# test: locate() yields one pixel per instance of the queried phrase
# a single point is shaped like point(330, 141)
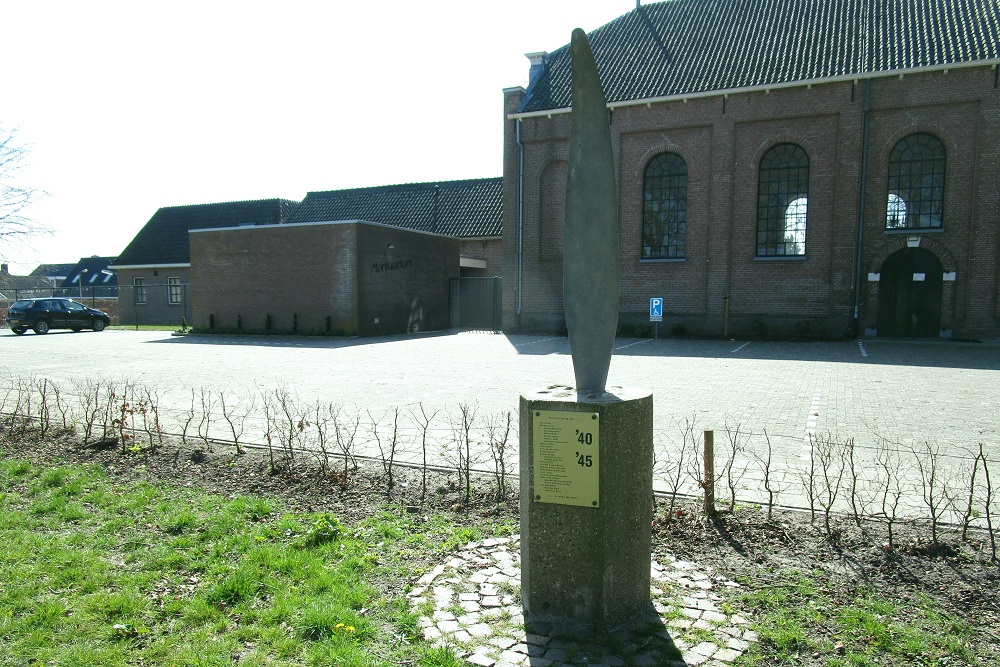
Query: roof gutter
point(520, 218)
point(847, 78)
point(149, 266)
point(865, 132)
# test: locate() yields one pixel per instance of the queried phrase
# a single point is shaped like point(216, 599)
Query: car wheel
point(19, 330)
point(98, 325)
point(41, 327)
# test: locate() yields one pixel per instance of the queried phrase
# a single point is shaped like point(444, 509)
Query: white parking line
point(810, 435)
point(742, 346)
point(638, 342)
point(536, 342)
point(861, 346)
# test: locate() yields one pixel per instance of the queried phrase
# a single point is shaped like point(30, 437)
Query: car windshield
point(23, 303)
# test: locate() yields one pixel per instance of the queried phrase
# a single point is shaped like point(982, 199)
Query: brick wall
point(722, 140)
point(489, 250)
point(403, 280)
point(158, 308)
point(330, 278)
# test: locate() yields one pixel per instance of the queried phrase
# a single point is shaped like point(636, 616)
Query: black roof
point(95, 273)
point(52, 270)
point(164, 239)
point(684, 47)
point(470, 208)
point(11, 285)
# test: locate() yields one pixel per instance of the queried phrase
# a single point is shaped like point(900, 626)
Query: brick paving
point(471, 603)
point(906, 393)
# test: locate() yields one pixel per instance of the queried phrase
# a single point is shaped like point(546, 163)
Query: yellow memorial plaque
point(566, 459)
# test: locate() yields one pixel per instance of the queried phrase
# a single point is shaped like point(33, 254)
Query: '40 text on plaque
point(566, 457)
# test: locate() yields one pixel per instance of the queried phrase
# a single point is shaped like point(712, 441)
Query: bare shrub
point(63, 408)
point(345, 431)
point(22, 412)
point(461, 456)
point(424, 423)
point(89, 395)
point(832, 463)
point(736, 440)
point(498, 436)
point(674, 470)
point(858, 500)
point(270, 429)
point(188, 418)
point(809, 479)
point(236, 412)
point(968, 473)
point(933, 488)
point(322, 418)
point(150, 413)
point(889, 464)
point(290, 424)
point(387, 447)
point(124, 409)
point(44, 416)
point(207, 400)
point(772, 486)
point(988, 502)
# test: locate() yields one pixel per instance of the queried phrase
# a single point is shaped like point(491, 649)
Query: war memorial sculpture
point(586, 454)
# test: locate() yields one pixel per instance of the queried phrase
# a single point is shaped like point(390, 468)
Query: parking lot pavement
point(906, 393)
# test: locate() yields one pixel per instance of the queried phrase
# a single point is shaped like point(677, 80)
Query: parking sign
point(656, 309)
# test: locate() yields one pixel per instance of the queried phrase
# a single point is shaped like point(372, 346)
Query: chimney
point(537, 60)
point(4, 270)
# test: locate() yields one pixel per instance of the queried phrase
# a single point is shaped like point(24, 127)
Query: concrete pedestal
point(581, 563)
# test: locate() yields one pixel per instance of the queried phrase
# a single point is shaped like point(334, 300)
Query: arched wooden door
point(909, 294)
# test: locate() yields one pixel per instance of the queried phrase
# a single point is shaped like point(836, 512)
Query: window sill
point(663, 260)
point(780, 258)
point(910, 231)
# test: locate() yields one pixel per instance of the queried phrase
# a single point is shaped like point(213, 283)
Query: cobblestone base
point(472, 603)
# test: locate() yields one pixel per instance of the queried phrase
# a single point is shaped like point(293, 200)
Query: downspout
point(520, 219)
point(861, 205)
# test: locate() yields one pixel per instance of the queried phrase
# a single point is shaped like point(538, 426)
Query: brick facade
point(342, 278)
point(721, 285)
point(166, 298)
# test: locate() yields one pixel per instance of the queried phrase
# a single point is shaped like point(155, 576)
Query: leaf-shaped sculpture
point(591, 261)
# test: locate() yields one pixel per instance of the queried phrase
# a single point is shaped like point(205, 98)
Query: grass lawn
point(97, 572)
point(139, 561)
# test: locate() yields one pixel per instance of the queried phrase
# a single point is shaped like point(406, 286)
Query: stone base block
point(585, 564)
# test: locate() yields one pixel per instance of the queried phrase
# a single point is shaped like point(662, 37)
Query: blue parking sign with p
point(656, 309)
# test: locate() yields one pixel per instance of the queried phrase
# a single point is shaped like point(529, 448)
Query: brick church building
point(791, 167)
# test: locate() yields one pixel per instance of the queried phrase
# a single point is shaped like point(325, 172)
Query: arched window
point(664, 207)
point(782, 202)
point(895, 212)
point(916, 183)
point(795, 227)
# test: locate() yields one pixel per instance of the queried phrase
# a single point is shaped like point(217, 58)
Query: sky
point(130, 106)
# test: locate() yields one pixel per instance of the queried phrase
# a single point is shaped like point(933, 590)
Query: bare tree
point(16, 226)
